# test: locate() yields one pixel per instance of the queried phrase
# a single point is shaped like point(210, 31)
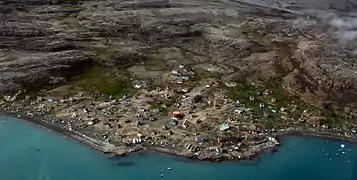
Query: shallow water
point(28, 152)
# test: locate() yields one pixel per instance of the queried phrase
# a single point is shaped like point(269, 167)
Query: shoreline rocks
point(251, 72)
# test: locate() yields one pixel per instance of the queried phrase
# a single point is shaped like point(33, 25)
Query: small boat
point(342, 145)
point(169, 168)
point(162, 175)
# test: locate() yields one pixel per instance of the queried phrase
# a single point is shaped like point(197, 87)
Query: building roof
point(223, 127)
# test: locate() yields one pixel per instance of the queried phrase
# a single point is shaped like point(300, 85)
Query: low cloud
point(344, 23)
point(346, 36)
point(345, 27)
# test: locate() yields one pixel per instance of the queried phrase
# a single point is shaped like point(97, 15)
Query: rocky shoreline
point(37, 120)
point(110, 149)
point(210, 80)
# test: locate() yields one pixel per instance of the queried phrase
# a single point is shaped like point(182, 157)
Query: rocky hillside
point(46, 42)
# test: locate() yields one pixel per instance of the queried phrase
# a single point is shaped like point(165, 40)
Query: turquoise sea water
point(28, 152)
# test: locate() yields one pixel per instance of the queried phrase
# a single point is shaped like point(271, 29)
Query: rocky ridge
point(54, 35)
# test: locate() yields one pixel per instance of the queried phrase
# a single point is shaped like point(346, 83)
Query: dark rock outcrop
point(34, 70)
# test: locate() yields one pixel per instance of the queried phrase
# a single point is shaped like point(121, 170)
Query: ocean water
point(29, 152)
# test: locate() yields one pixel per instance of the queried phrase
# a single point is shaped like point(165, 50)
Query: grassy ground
point(156, 63)
point(110, 82)
point(266, 115)
point(103, 55)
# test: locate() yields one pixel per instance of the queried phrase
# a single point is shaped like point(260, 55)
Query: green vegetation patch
point(242, 92)
point(277, 98)
point(158, 104)
point(110, 82)
point(156, 84)
point(104, 54)
point(332, 118)
point(282, 97)
point(201, 73)
point(156, 63)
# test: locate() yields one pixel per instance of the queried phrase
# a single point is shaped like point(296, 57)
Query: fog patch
point(346, 37)
point(344, 28)
point(303, 23)
point(344, 23)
